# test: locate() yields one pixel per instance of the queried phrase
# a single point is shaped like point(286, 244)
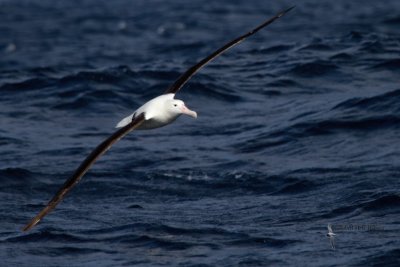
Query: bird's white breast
point(155, 111)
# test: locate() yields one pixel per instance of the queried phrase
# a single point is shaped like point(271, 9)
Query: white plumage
point(158, 112)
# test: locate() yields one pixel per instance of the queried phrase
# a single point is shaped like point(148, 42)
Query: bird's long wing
point(84, 167)
point(192, 70)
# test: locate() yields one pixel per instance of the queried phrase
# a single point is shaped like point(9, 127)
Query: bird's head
point(178, 107)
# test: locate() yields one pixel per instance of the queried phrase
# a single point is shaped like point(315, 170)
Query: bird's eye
point(175, 105)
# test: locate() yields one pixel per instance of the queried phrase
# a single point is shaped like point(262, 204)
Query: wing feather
point(177, 85)
point(83, 168)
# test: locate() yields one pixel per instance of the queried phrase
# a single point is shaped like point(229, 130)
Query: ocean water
point(298, 128)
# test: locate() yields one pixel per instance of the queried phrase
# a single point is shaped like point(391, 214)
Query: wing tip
point(286, 11)
point(31, 224)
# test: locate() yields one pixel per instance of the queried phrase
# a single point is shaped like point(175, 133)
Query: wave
point(183, 185)
point(315, 68)
point(156, 235)
point(270, 50)
point(389, 257)
point(214, 91)
point(392, 21)
point(283, 83)
point(265, 241)
point(46, 236)
point(28, 85)
point(381, 203)
point(297, 186)
point(15, 175)
point(389, 201)
point(389, 65)
point(244, 183)
point(88, 90)
point(342, 56)
point(315, 128)
point(386, 102)
point(317, 47)
point(4, 141)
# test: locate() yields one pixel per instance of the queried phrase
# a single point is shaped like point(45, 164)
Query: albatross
point(157, 112)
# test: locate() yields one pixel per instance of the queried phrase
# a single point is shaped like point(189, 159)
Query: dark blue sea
point(298, 128)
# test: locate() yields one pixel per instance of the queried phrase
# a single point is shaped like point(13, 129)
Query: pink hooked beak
point(189, 112)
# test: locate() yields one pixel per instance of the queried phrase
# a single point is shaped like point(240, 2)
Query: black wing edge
point(192, 70)
point(83, 168)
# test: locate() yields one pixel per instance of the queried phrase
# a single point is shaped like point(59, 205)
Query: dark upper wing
point(192, 70)
point(84, 167)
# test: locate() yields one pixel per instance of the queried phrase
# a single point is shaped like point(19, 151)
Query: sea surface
point(298, 128)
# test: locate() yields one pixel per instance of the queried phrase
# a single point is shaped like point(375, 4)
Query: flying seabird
point(157, 112)
point(331, 236)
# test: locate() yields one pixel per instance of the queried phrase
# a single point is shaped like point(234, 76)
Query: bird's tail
point(124, 121)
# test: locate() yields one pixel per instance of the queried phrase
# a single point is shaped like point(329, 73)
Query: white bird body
point(158, 112)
